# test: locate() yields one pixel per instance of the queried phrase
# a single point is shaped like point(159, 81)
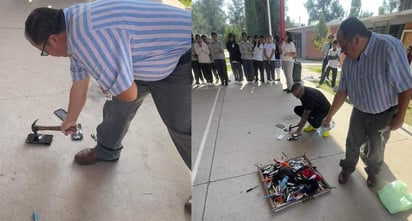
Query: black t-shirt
point(314, 101)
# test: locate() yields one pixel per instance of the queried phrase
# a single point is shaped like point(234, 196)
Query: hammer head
point(34, 128)
point(291, 126)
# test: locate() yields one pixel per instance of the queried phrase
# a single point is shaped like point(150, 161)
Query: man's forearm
point(303, 120)
point(338, 101)
point(78, 96)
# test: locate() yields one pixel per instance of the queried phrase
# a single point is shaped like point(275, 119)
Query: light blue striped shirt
point(119, 41)
point(374, 81)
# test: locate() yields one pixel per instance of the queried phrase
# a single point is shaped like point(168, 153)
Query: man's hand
point(403, 103)
point(68, 127)
point(326, 122)
point(396, 122)
point(297, 131)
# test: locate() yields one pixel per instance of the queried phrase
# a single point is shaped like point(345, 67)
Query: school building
point(397, 24)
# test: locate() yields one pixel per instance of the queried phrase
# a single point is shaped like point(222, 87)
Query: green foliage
point(257, 17)
point(320, 33)
point(316, 69)
point(251, 17)
point(236, 14)
point(234, 30)
point(208, 16)
point(355, 8)
point(365, 14)
point(186, 3)
point(330, 9)
point(388, 6)
point(405, 5)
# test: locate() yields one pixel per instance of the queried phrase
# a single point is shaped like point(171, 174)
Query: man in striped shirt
point(377, 79)
point(131, 48)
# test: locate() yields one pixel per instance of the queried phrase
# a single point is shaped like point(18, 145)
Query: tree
point(257, 17)
point(320, 33)
point(388, 6)
point(274, 16)
point(355, 8)
point(330, 9)
point(208, 16)
point(289, 23)
point(236, 14)
point(199, 25)
point(251, 17)
point(365, 14)
point(405, 5)
point(234, 30)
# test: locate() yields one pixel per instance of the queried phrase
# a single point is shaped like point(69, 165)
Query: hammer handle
point(48, 127)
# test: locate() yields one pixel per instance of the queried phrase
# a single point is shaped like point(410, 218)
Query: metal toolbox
point(289, 182)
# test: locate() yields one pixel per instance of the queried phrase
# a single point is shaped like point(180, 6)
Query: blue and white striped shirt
point(119, 41)
point(374, 81)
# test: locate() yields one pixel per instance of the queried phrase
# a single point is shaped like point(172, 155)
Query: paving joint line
point(213, 154)
point(250, 173)
point(224, 179)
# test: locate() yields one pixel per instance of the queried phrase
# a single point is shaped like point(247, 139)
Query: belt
point(393, 108)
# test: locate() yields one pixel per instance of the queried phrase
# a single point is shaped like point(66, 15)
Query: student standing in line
point(245, 48)
point(202, 51)
point(195, 65)
point(288, 53)
point(218, 56)
point(212, 63)
point(235, 58)
point(269, 55)
point(258, 59)
point(278, 62)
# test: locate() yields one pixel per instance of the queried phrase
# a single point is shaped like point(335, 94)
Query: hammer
point(36, 128)
point(290, 128)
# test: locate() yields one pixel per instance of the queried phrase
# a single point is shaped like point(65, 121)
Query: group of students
point(207, 57)
point(250, 59)
point(259, 54)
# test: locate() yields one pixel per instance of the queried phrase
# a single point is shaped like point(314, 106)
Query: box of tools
point(291, 181)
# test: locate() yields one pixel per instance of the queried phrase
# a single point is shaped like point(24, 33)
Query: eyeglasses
point(343, 48)
point(43, 51)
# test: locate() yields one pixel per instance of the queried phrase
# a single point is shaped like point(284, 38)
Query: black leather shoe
point(188, 205)
point(343, 177)
point(371, 181)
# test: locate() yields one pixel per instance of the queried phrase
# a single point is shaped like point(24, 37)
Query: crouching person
point(315, 107)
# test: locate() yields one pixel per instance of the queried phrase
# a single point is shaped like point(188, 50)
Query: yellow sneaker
point(309, 128)
point(326, 134)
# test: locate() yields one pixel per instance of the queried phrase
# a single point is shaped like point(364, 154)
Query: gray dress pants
point(172, 97)
point(363, 128)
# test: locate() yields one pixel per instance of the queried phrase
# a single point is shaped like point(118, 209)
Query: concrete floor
point(234, 129)
point(149, 182)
